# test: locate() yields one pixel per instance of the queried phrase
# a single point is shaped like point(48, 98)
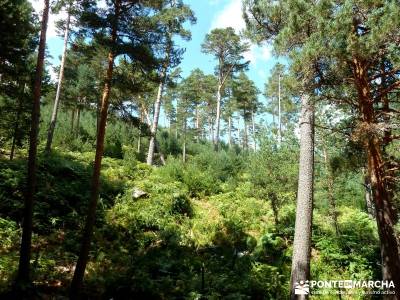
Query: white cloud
point(231, 16)
point(256, 53)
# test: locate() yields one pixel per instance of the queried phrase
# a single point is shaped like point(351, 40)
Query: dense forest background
point(127, 180)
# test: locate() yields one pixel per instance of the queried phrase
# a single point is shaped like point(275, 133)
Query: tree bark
point(304, 210)
point(157, 108)
point(23, 276)
point(53, 120)
point(386, 215)
point(150, 153)
point(156, 145)
point(79, 273)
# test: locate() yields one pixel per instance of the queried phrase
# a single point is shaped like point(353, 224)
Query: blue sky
point(210, 14)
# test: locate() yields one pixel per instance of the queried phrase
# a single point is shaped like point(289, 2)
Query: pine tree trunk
point(23, 276)
point(304, 210)
point(79, 273)
point(386, 215)
point(53, 120)
point(157, 107)
point(217, 118)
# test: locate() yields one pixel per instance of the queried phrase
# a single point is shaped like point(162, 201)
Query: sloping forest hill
point(125, 179)
point(219, 225)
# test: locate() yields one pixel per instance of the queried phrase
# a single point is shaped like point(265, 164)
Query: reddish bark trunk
point(79, 273)
point(23, 276)
point(386, 215)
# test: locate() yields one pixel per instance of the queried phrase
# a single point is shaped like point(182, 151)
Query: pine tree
point(228, 49)
point(53, 120)
point(281, 104)
point(17, 67)
point(171, 19)
point(130, 31)
point(245, 94)
point(23, 276)
point(350, 49)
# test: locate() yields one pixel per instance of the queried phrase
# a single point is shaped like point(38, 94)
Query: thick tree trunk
point(23, 276)
point(53, 120)
point(217, 118)
point(79, 273)
point(387, 137)
point(304, 209)
point(386, 215)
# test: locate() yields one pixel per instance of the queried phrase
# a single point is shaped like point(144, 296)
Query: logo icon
point(301, 287)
